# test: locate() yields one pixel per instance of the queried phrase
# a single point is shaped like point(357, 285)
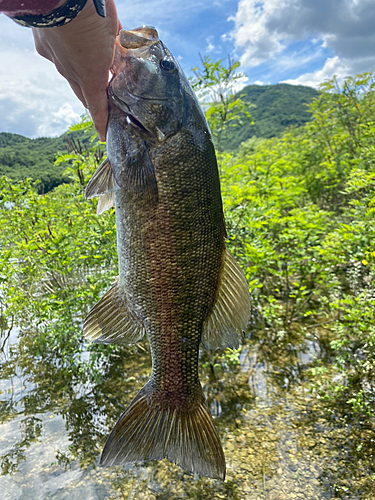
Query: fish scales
point(176, 277)
point(178, 255)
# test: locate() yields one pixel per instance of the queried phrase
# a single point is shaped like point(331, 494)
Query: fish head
point(147, 84)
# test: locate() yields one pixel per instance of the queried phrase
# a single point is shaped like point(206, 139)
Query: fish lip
point(131, 119)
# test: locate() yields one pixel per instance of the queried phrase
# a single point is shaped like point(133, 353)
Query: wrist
point(65, 12)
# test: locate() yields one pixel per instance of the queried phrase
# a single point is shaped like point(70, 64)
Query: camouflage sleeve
point(47, 13)
point(34, 7)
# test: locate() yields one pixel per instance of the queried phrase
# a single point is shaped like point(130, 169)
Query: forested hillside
point(21, 158)
point(276, 107)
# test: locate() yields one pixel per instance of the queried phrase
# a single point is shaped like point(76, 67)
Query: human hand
point(82, 52)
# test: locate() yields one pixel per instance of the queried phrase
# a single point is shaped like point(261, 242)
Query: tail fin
point(145, 431)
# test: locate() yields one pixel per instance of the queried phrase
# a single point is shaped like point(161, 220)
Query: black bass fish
point(177, 281)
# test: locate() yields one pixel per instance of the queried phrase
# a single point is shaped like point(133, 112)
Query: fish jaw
point(133, 42)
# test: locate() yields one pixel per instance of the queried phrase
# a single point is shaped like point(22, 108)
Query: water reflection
point(280, 440)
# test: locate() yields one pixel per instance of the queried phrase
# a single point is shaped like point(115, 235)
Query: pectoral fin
point(103, 184)
point(106, 201)
point(138, 175)
point(103, 181)
point(231, 311)
point(111, 322)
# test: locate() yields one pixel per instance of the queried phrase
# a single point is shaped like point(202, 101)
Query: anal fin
point(111, 322)
point(231, 311)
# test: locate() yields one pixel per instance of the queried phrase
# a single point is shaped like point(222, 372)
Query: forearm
point(36, 7)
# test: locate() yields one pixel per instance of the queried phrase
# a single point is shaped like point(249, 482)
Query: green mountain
point(21, 157)
point(276, 107)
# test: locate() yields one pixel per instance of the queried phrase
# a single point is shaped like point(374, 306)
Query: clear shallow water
point(279, 440)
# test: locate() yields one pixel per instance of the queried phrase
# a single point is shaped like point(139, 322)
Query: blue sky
point(294, 41)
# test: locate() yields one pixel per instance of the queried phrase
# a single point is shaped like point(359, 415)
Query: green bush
point(300, 219)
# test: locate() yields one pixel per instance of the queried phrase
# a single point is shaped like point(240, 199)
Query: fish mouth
point(134, 44)
point(144, 36)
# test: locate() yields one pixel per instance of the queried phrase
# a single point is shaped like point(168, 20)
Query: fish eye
point(167, 64)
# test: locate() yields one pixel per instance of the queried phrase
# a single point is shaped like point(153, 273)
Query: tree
point(214, 84)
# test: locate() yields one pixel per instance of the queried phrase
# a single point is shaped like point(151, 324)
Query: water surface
point(280, 440)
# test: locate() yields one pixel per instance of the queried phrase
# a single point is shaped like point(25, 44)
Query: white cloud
point(60, 120)
point(210, 46)
point(292, 60)
point(240, 83)
point(34, 99)
point(333, 66)
point(251, 31)
point(265, 29)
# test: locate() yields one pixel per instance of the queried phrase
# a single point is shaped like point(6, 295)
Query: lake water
point(279, 440)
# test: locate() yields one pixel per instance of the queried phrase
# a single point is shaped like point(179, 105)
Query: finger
point(78, 91)
point(112, 13)
point(97, 105)
point(98, 108)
